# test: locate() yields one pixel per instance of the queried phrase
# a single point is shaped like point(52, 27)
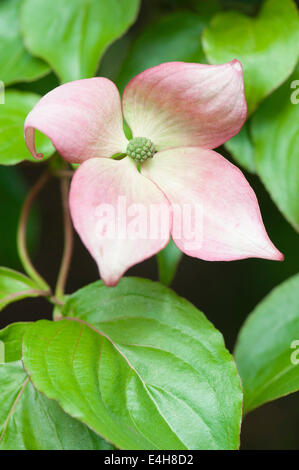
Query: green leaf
point(28, 419)
point(12, 116)
point(72, 35)
point(168, 260)
point(11, 338)
point(267, 46)
point(141, 366)
point(176, 37)
point(16, 64)
point(265, 347)
point(2, 352)
point(242, 149)
point(15, 286)
point(275, 132)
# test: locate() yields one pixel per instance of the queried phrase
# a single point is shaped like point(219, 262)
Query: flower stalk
point(68, 240)
point(22, 231)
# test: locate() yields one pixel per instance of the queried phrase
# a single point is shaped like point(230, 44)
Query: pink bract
point(185, 110)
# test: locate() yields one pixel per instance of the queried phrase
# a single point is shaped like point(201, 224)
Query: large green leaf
point(28, 419)
point(16, 64)
point(168, 260)
point(267, 46)
point(264, 350)
point(275, 133)
point(15, 286)
point(2, 352)
point(12, 116)
point(141, 366)
point(11, 338)
point(174, 37)
point(72, 35)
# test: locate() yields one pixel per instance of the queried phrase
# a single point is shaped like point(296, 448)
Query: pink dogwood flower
point(177, 112)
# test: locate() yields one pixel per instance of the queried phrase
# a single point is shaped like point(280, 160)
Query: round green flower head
point(140, 149)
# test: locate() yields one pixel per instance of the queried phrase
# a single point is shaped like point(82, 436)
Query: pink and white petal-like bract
point(121, 216)
point(179, 104)
point(216, 216)
point(83, 119)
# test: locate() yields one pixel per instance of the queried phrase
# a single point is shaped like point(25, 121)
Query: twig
point(64, 173)
point(68, 241)
point(29, 293)
point(22, 229)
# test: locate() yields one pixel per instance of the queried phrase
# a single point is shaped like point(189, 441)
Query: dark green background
point(225, 292)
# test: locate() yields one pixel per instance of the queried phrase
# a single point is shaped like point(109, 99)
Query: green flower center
point(140, 149)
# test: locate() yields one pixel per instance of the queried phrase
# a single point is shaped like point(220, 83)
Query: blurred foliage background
point(166, 30)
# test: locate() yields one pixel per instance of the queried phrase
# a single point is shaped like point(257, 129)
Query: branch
point(68, 240)
point(22, 229)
